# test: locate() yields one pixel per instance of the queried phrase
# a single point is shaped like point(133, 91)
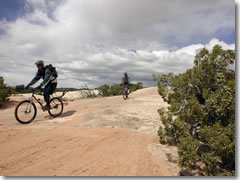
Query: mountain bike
point(26, 110)
point(125, 92)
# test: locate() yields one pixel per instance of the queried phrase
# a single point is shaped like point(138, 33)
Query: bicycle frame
point(28, 109)
point(125, 89)
point(34, 97)
point(31, 101)
point(29, 106)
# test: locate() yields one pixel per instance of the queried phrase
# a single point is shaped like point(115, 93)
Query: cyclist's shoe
point(46, 107)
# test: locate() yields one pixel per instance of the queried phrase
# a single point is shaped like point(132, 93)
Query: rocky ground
point(93, 137)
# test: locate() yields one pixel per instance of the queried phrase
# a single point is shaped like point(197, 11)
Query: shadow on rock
point(64, 114)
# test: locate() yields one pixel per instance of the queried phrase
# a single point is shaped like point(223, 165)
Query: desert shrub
point(135, 87)
point(105, 90)
point(20, 88)
point(117, 89)
point(5, 91)
point(163, 85)
point(201, 118)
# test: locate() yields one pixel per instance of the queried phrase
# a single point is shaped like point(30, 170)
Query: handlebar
point(63, 93)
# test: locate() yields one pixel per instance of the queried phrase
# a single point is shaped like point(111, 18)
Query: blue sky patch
point(10, 10)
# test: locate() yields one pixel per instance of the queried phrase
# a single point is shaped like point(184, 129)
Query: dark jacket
point(46, 75)
point(125, 80)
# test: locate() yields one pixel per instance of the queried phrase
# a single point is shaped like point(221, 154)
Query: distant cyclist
point(49, 75)
point(126, 81)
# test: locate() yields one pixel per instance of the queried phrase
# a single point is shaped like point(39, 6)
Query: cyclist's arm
point(47, 78)
point(35, 79)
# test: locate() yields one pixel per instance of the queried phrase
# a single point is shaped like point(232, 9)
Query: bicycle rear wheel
point(25, 112)
point(56, 107)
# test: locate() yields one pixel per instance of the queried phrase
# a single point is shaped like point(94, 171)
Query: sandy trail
point(93, 137)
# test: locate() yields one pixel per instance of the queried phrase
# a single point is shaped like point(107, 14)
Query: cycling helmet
point(39, 62)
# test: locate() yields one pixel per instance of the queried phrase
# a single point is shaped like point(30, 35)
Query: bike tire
point(16, 112)
point(61, 103)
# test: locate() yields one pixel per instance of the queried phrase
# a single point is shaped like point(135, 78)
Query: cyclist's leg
point(53, 88)
point(128, 87)
point(47, 94)
point(49, 89)
point(124, 87)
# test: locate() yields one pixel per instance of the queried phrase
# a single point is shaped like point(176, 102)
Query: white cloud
point(224, 45)
point(190, 50)
point(94, 41)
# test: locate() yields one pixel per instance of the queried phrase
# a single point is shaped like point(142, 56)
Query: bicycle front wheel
point(56, 107)
point(124, 96)
point(25, 112)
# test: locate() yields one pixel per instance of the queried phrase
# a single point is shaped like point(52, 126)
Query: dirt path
point(93, 137)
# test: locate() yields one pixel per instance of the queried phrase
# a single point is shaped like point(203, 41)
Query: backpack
point(53, 70)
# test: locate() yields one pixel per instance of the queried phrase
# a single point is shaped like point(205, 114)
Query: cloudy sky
point(96, 41)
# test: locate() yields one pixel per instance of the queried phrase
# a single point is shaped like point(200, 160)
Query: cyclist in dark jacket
point(49, 83)
point(126, 80)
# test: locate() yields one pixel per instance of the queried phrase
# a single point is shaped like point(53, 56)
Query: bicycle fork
point(28, 109)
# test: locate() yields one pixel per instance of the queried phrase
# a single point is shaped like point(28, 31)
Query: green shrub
point(20, 88)
point(117, 89)
point(163, 85)
point(5, 91)
point(201, 118)
point(105, 90)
